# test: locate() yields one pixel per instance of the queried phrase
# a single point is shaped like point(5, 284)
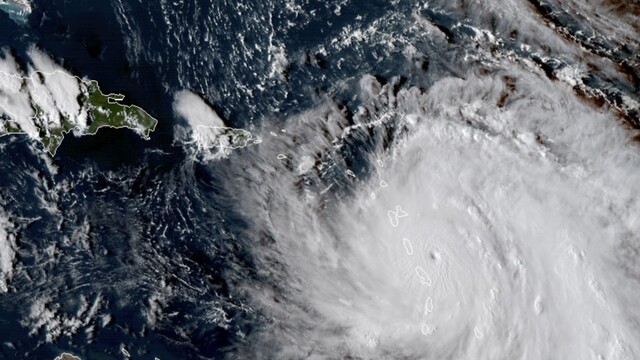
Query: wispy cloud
point(8, 250)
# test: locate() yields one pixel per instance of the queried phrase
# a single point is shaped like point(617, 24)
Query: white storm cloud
point(63, 88)
point(206, 132)
point(195, 110)
point(46, 85)
point(15, 102)
point(484, 232)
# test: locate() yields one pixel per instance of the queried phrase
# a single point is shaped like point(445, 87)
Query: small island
point(66, 356)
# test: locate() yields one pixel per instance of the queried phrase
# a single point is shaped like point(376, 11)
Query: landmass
point(18, 10)
point(221, 136)
point(207, 134)
point(216, 142)
point(50, 103)
point(65, 356)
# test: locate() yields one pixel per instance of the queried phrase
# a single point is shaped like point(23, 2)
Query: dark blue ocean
point(143, 210)
point(143, 236)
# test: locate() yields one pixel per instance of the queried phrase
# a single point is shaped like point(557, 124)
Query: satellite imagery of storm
point(320, 179)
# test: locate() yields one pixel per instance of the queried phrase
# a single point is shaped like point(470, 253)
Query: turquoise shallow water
point(16, 12)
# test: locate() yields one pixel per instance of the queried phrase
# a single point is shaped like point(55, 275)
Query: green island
point(97, 110)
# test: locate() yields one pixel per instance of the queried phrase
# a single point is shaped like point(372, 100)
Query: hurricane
point(480, 231)
point(301, 179)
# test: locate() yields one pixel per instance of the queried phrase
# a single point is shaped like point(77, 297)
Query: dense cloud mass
point(55, 94)
point(499, 223)
point(495, 217)
point(488, 232)
point(48, 102)
point(330, 180)
point(206, 135)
